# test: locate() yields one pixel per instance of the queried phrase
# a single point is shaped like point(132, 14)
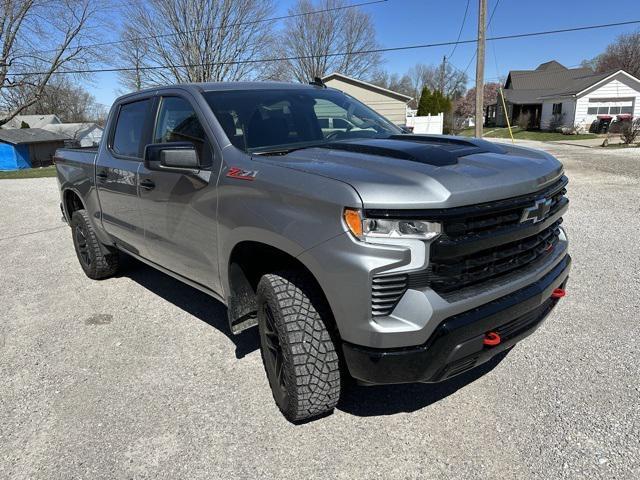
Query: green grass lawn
point(526, 134)
point(49, 171)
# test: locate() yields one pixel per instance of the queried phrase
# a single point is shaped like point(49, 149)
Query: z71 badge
point(241, 174)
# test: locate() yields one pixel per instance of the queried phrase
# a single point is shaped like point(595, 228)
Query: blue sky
point(407, 22)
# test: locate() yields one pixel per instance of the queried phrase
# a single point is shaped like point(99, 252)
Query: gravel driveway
point(138, 376)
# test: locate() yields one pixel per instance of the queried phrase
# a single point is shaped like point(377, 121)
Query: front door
point(117, 175)
point(179, 208)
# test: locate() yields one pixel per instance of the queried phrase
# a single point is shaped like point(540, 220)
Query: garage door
point(610, 106)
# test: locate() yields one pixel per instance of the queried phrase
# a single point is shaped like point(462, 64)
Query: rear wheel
point(298, 353)
point(95, 263)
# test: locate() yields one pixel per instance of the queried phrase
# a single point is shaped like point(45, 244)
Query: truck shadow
point(193, 301)
point(391, 399)
point(356, 400)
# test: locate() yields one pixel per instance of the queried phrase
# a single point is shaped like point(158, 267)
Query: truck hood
point(413, 171)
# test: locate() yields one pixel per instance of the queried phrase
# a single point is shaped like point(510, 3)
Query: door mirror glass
point(171, 157)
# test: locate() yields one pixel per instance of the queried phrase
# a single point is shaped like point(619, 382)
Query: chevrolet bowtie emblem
point(537, 212)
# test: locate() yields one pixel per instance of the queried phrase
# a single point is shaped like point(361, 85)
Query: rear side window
point(129, 128)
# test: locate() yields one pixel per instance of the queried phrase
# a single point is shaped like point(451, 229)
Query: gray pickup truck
point(360, 251)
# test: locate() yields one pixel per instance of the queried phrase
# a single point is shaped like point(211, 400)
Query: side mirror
point(178, 156)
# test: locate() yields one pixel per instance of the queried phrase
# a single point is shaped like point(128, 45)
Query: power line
point(339, 54)
point(251, 22)
point(464, 19)
point(493, 12)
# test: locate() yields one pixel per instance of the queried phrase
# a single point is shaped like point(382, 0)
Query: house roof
point(72, 130)
point(22, 136)
point(579, 84)
point(34, 121)
point(367, 85)
point(549, 80)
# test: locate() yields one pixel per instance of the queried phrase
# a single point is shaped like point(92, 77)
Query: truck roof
point(218, 86)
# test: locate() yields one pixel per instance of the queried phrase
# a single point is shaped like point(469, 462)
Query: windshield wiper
point(285, 151)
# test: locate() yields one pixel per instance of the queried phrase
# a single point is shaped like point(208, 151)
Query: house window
point(592, 111)
point(628, 110)
point(557, 108)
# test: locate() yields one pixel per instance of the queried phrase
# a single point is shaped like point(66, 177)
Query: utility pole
point(482, 25)
point(443, 73)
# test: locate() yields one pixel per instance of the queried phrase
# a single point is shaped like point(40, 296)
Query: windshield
point(263, 121)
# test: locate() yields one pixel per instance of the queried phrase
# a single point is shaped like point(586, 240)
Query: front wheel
point(298, 353)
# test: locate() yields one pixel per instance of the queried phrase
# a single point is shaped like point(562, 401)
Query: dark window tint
point(178, 122)
point(340, 123)
point(263, 120)
point(129, 128)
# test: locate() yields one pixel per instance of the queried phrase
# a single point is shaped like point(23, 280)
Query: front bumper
point(456, 345)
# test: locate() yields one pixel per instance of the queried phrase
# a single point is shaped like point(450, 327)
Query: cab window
point(129, 128)
point(177, 121)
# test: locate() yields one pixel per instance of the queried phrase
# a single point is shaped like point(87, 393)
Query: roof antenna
point(317, 81)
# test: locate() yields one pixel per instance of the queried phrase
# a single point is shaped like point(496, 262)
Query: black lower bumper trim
point(457, 343)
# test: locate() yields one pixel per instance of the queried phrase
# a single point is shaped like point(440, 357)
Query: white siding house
point(553, 95)
point(616, 94)
point(391, 105)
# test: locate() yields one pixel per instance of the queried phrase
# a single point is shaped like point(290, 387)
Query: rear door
point(117, 173)
point(179, 208)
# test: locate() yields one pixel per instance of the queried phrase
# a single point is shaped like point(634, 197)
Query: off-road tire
point(290, 315)
point(94, 262)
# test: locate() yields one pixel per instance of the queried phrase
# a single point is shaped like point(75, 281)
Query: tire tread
point(313, 371)
point(103, 265)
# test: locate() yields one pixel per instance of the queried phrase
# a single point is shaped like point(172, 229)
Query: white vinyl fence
point(428, 124)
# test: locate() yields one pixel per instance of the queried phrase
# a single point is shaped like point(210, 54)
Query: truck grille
point(449, 274)
point(484, 242)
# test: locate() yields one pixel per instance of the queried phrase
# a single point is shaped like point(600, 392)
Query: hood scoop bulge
point(438, 151)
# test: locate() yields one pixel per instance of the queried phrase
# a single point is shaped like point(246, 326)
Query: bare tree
point(310, 42)
point(132, 53)
point(37, 39)
point(194, 41)
point(451, 82)
point(396, 83)
point(69, 101)
point(623, 54)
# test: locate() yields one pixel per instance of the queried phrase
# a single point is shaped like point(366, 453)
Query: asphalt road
point(138, 376)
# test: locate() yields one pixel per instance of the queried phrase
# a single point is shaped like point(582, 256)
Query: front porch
point(531, 114)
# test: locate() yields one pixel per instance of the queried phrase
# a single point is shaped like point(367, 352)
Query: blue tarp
point(14, 157)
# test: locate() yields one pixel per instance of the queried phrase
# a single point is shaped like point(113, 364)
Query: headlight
point(364, 228)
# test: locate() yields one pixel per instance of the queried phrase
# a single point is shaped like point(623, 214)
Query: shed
point(28, 147)
point(389, 104)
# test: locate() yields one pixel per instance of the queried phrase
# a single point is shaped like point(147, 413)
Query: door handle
point(148, 184)
point(103, 175)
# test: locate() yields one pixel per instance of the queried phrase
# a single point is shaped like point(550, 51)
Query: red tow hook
point(491, 339)
point(558, 293)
